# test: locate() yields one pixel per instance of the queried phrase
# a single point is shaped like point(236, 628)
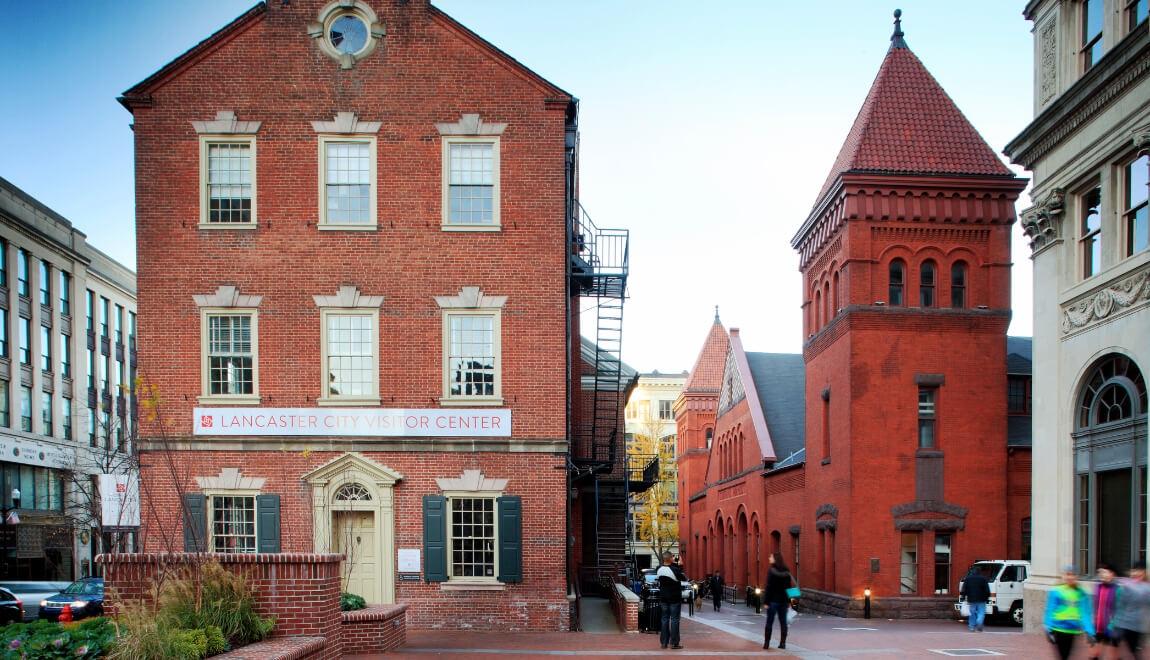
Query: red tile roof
point(707, 374)
point(908, 125)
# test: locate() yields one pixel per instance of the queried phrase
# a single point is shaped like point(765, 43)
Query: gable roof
point(1019, 356)
point(909, 125)
point(707, 374)
point(780, 381)
point(139, 93)
point(737, 362)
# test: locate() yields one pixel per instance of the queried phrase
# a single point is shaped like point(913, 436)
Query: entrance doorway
point(354, 537)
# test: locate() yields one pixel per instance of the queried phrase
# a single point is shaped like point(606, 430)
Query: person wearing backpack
point(778, 580)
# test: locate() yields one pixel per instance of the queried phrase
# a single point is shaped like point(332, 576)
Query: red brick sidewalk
point(698, 641)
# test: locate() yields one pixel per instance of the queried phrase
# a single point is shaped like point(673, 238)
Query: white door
point(355, 538)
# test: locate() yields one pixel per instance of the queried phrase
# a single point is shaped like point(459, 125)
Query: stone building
point(67, 391)
point(1089, 228)
point(361, 259)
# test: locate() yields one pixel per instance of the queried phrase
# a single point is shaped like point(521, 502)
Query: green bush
point(348, 602)
point(90, 638)
point(216, 641)
point(203, 611)
point(218, 598)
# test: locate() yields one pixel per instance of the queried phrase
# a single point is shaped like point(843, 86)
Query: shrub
point(348, 602)
point(217, 598)
point(45, 639)
point(202, 611)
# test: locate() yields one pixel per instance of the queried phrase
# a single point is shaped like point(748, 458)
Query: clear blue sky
point(707, 127)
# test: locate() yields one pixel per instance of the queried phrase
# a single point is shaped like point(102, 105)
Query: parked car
point(86, 597)
point(32, 593)
point(1006, 578)
point(11, 607)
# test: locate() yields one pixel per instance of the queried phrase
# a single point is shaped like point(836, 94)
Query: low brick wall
point(893, 607)
point(300, 590)
point(626, 606)
point(375, 629)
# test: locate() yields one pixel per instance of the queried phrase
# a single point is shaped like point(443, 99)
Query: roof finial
point(717, 314)
point(896, 39)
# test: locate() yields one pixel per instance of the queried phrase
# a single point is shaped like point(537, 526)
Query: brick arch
point(757, 550)
point(742, 545)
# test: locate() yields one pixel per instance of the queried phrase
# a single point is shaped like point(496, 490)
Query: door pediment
point(380, 475)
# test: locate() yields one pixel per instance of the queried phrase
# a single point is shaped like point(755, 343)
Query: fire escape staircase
point(599, 270)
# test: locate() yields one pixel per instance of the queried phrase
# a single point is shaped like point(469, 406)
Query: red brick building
point(906, 468)
point(360, 261)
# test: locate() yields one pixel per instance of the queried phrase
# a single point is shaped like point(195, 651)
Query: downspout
point(570, 152)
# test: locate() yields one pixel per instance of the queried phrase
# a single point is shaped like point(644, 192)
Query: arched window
point(926, 277)
point(836, 299)
point(710, 437)
point(1110, 465)
point(818, 310)
point(897, 279)
point(776, 543)
point(958, 285)
point(352, 493)
point(829, 312)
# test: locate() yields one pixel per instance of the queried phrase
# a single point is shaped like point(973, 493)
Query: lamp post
point(866, 603)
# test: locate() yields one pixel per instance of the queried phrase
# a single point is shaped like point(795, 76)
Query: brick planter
point(893, 607)
point(300, 590)
point(376, 629)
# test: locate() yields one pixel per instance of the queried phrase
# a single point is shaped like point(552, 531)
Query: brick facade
point(425, 71)
point(865, 486)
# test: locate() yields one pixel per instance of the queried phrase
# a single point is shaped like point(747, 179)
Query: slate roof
point(587, 350)
point(707, 374)
point(909, 125)
point(1018, 355)
point(780, 381)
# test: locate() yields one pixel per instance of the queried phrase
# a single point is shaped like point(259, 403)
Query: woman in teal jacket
point(1068, 614)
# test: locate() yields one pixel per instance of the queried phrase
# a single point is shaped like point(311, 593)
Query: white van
point(1006, 577)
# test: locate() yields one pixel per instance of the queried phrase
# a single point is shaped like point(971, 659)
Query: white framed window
point(346, 31)
point(230, 350)
point(227, 182)
point(232, 522)
point(471, 183)
point(472, 537)
point(347, 182)
point(1136, 203)
point(350, 344)
point(1090, 232)
point(471, 350)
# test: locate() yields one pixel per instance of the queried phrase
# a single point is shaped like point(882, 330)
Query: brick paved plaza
point(737, 632)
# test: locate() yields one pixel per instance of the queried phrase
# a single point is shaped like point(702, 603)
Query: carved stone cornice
point(1128, 292)
point(1142, 140)
point(1041, 222)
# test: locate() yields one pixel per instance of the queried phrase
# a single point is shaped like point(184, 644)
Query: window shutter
point(195, 522)
point(435, 538)
point(268, 523)
point(510, 511)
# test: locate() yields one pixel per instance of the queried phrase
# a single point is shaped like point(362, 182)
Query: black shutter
point(510, 539)
point(268, 523)
point(195, 522)
point(435, 538)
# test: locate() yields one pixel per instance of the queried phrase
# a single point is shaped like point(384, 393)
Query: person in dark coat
point(778, 580)
point(977, 592)
point(717, 590)
point(671, 599)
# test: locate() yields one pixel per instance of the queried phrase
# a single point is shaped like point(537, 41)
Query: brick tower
point(906, 273)
point(695, 423)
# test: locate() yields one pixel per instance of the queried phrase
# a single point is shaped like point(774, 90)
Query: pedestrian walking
point(1131, 620)
point(671, 599)
point(778, 580)
point(977, 592)
point(1068, 614)
point(1105, 601)
point(717, 590)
